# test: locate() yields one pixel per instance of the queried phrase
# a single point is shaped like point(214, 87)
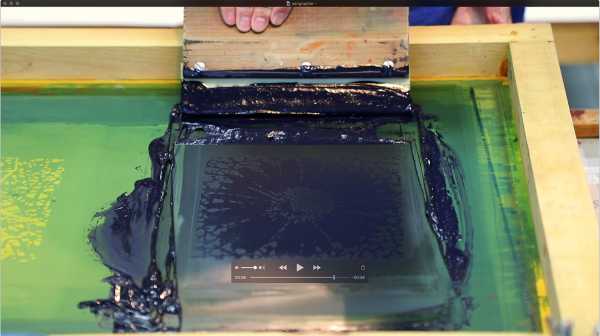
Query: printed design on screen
point(25, 204)
point(351, 213)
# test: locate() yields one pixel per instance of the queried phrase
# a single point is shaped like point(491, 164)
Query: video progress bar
point(300, 277)
point(359, 278)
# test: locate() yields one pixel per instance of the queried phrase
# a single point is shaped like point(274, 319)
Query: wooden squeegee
point(314, 41)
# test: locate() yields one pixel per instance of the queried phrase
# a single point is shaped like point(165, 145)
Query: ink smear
point(264, 172)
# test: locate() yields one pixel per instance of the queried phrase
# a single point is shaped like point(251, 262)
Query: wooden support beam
point(90, 53)
point(561, 206)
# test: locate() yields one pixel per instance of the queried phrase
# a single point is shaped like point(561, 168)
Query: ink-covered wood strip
point(565, 222)
point(326, 37)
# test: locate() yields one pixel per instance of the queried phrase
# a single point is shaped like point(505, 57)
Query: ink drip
point(135, 238)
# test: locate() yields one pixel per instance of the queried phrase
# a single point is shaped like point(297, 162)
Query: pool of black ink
point(137, 238)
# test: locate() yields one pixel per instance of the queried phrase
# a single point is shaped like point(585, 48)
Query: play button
point(299, 267)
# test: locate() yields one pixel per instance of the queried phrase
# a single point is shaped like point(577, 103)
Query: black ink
point(135, 238)
point(287, 98)
point(302, 72)
point(440, 165)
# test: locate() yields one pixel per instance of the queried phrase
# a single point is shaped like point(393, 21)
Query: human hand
point(255, 18)
point(481, 15)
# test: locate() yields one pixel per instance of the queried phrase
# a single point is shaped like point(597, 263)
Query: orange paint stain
point(312, 46)
point(504, 68)
point(349, 47)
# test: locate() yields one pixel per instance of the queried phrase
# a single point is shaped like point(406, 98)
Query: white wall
point(173, 16)
point(92, 16)
point(562, 14)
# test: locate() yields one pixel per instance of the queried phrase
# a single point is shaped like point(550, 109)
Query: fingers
point(498, 15)
point(468, 16)
point(260, 19)
point(254, 18)
point(279, 15)
point(228, 15)
point(243, 18)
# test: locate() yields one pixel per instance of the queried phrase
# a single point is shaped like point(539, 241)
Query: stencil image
point(323, 204)
point(317, 202)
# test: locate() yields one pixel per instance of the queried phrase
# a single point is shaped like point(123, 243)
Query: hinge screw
point(200, 66)
point(388, 64)
point(305, 66)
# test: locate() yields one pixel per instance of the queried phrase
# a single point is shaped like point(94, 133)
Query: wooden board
point(565, 222)
point(585, 122)
point(576, 43)
point(325, 37)
point(90, 53)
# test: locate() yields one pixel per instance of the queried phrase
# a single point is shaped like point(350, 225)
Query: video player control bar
point(298, 271)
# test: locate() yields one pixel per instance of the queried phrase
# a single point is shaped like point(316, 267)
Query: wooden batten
point(325, 37)
point(90, 53)
point(561, 206)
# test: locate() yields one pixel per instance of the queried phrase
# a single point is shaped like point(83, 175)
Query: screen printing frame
point(524, 55)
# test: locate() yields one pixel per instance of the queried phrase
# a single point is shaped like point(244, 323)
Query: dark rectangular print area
point(323, 203)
